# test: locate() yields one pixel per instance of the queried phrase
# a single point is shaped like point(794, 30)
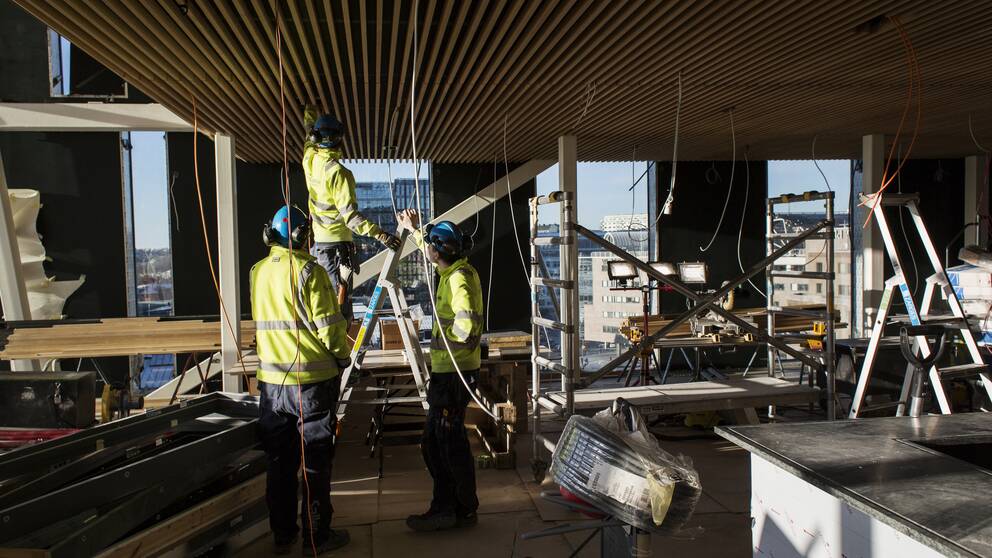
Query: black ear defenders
point(299, 236)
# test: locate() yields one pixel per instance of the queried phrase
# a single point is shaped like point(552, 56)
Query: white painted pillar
point(227, 251)
point(13, 294)
point(569, 258)
point(975, 203)
point(873, 251)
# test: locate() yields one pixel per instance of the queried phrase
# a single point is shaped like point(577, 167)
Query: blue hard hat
point(288, 223)
point(446, 238)
point(327, 131)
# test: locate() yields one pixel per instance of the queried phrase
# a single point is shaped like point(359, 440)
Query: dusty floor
point(374, 509)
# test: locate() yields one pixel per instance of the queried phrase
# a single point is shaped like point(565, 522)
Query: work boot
point(284, 545)
point(432, 521)
point(334, 540)
point(469, 519)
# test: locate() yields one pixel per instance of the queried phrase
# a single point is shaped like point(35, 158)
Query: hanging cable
point(740, 230)
point(294, 286)
point(509, 196)
point(492, 249)
point(730, 188)
point(825, 181)
point(667, 207)
point(902, 225)
point(420, 222)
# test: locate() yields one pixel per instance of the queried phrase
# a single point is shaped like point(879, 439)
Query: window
point(819, 266)
point(803, 287)
point(844, 289)
point(611, 329)
point(819, 288)
point(779, 286)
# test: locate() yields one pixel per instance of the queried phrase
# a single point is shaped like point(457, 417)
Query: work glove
point(389, 241)
point(343, 362)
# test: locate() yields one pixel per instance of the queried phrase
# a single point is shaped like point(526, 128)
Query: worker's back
point(459, 310)
point(296, 318)
point(328, 183)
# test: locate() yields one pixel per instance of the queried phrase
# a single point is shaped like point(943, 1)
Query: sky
point(150, 190)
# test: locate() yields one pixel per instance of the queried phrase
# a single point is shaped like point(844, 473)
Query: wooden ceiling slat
point(791, 70)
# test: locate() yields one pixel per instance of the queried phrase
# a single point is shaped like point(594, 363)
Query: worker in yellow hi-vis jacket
point(458, 328)
point(302, 344)
point(334, 205)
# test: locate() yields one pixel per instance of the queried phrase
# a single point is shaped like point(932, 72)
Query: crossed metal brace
point(702, 303)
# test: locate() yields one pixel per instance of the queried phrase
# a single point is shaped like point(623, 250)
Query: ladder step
point(389, 400)
point(387, 387)
point(895, 199)
point(552, 283)
point(790, 235)
point(787, 311)
point(551, 240)
point(949, 321)
point(550, 364)
point(826, 275)
point(544, 322)
point(962, 370)
point(553, 197)
point(811, 195)
point(550, 405)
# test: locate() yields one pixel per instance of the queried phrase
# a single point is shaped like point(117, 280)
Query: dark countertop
point(941, 501)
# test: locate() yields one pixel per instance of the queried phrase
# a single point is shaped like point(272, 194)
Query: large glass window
point(611, 201)
point(380, 186)
point(150, 254)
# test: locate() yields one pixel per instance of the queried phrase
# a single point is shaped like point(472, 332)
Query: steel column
point(569, 256)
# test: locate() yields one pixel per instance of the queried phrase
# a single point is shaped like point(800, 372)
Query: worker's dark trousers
point(279, 428)
point(445, 444)
point(331, 256)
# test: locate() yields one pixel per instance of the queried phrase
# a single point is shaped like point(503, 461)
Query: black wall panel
point(259, 196)
point(23, 55)
point(700, 193)
point(452, 183)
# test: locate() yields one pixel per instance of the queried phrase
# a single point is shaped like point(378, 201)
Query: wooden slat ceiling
point(604, 70)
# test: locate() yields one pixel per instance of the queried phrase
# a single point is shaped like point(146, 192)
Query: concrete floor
point(374, 509)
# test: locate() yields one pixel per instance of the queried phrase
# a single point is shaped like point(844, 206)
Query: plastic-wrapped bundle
point(612, 462)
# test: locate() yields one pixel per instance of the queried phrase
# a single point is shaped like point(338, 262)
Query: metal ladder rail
point(828, 276)
point(567, 285)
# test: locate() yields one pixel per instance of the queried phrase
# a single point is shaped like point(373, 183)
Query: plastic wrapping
point(613, 463)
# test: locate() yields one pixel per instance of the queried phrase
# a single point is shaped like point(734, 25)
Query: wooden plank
point(182, 527)
point(698, 396)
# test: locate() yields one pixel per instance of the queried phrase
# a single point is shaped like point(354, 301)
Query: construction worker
point(458, 327)
point(334, 205)
point(302, 343)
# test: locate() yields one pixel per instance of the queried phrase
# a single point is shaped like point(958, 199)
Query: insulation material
point(612, 463)
point(46, 296)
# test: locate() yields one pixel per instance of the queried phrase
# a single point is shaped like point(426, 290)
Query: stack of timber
point(633, 327)
point(113, 337)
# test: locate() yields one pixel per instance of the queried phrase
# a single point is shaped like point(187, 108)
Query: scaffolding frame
point(773, 240)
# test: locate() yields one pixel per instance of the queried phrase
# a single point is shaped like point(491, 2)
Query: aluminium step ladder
point(956, 320)
point(395, 389)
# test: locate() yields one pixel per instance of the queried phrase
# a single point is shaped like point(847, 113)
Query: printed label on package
point(623, 486)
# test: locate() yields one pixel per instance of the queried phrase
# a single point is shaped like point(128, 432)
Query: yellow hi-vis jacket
point(300, 344)
point(333, 203)
point(458, 306)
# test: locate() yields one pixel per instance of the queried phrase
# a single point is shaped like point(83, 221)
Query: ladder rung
point(947, 320)
point(816, 314)
point(801, 336)
point(550, 405)
point(550, 364)
point(544, 322)
point(811, 195)
point(553, 197)
point(788, 235)
point(552, 283)
point(388, 387)
point(895, 199)
point(389, 400)
point(962, 370)
point(826, 275)
point(551, 240)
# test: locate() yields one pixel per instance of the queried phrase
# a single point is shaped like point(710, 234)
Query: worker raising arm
point(458, 327)
point(334, 205)
point(302, 344)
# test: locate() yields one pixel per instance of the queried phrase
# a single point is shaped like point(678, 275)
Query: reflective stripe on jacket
point(333, 203)
point(284, 314)
point(458, 306)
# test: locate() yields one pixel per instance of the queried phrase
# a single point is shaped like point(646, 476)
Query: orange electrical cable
point(206, 244)
point(915, 79)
